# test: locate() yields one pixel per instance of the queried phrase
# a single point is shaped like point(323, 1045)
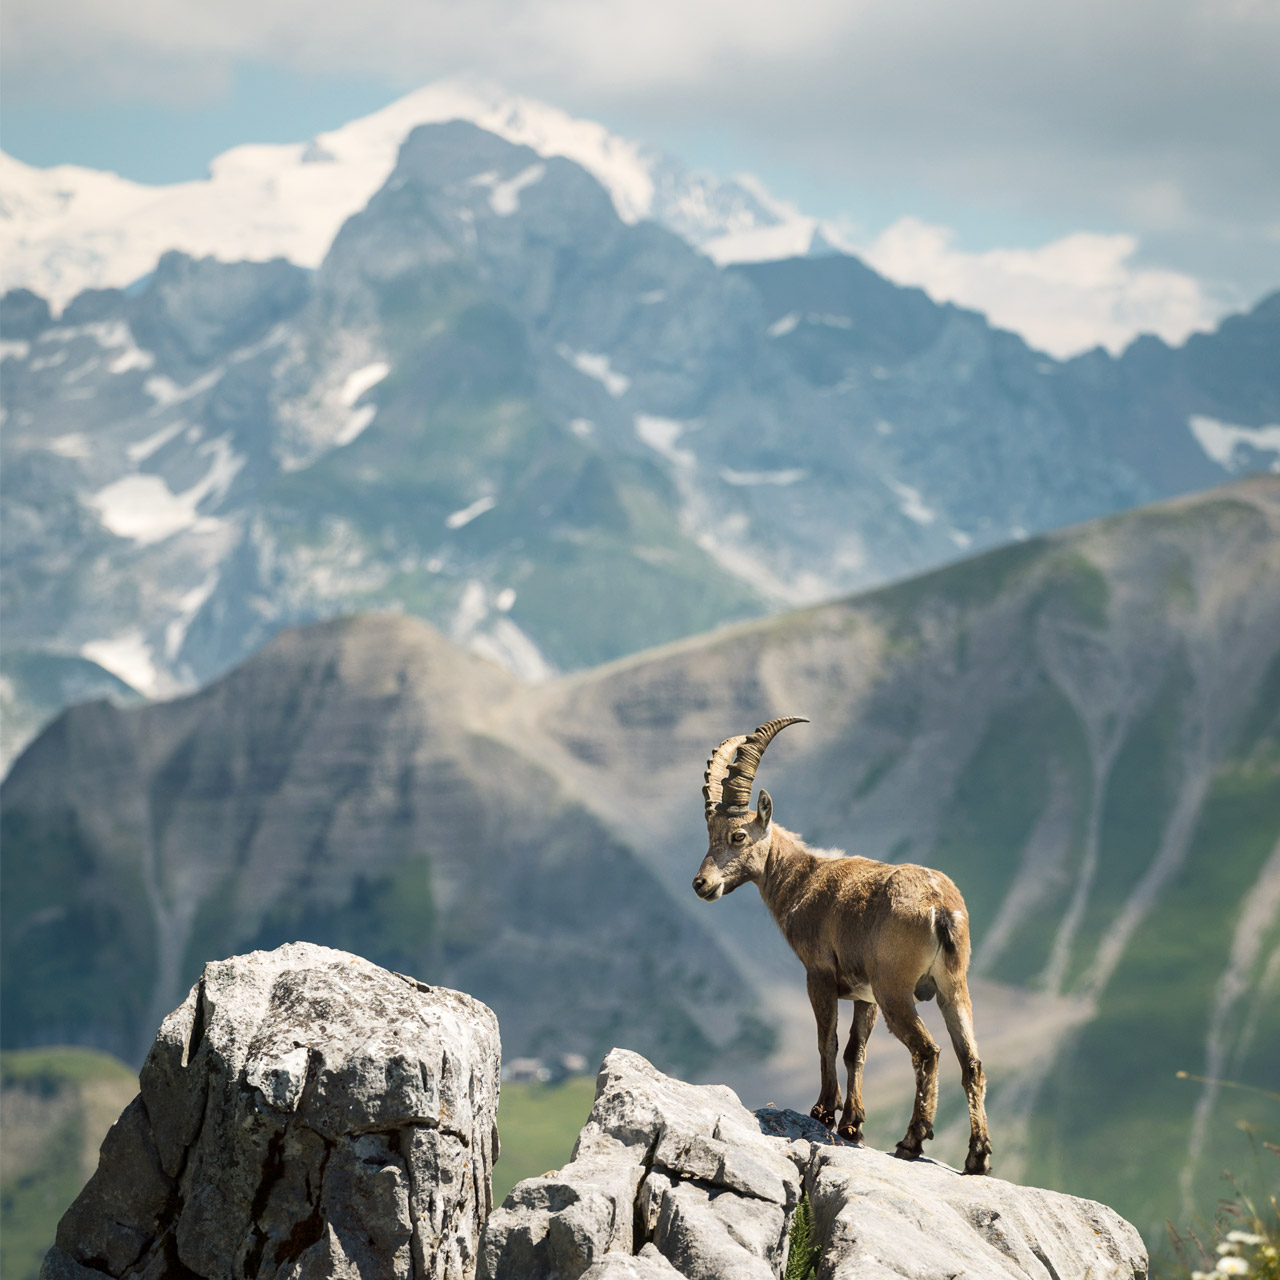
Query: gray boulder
point(675, 1179)
point(303, 1114)
point(679, 1166)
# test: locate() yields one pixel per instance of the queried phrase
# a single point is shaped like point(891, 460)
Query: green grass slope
point(56, 1106)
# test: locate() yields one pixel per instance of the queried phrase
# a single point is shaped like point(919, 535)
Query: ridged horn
point(717, 771)
point(731, 771)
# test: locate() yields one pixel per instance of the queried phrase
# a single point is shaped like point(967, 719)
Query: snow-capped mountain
point(68, 228)
point(560, 435)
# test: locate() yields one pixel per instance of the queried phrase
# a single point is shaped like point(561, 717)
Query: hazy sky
point(995, 128)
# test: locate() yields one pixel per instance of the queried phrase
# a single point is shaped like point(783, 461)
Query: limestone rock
point(674, 1179)
point(682, 1167)
point(648, 1264)
point(303, 1114)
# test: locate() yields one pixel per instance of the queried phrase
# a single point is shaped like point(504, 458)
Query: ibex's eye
point(739, 837)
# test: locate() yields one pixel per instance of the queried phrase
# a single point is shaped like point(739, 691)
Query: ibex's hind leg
point(855, 1054)
point(958, 1013)
point(902, 1019)
point(823, 997)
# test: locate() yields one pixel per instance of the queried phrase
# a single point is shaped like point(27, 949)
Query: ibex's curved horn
point(732, 768)
point(717, 771)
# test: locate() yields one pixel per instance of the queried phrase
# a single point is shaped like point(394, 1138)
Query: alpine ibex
point(881, 935)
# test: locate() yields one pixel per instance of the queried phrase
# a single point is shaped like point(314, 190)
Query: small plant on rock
point(1245, 1237)
point(803, 1251)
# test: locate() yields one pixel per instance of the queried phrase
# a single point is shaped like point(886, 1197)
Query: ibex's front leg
point(823, 996)
point(902, 1019)
point(855, 1054)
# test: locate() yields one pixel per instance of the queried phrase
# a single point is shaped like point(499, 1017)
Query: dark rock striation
point(303, 1114)
point(673, 1179)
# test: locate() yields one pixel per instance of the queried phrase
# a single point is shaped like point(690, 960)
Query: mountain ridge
point(262, 201)
point(496, 394)
point(1082, 730)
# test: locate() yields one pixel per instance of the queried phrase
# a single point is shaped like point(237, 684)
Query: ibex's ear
point(764, 810)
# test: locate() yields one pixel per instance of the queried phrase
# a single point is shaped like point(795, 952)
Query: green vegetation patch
point(537, 1127)
point(56, 1106)
point(1117, 1091)
point(72, 954)
point(1001, 793)
point(1141, 792)
point(803, 1251)
point(968, 584)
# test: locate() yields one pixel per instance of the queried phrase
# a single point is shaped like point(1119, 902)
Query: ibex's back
point(878, 934)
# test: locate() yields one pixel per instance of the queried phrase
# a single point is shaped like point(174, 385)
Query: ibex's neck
point(787, 871)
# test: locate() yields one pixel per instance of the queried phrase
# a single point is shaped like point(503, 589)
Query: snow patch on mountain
point(458, 519)
point(597, 367)
point(661, 434)
point(1229, 445)
point(504, 197)
point(910, 503)
point(361, 380)
point(129, 657)
point(797, 236)
point(142, 507)
point(787, 476)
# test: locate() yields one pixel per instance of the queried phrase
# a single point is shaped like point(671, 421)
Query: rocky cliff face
point(693, 1184)
point(344, 786)
point(303, 1114)
point(496, 397)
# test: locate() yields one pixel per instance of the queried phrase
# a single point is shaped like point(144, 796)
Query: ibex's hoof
point(850, 1134)
point(824, 1115)
point(905, 1152)
point(978, 1161)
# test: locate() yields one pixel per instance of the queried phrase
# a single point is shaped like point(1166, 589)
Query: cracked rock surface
point(670, 1179)
point(303, 1114)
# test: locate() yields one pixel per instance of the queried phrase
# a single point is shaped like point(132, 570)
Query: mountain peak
point(66, 229)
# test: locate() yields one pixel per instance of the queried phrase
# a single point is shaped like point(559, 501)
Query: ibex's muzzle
point(707, 884)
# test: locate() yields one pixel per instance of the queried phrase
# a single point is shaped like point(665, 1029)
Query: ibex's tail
point(952, 931)
point(944, 926)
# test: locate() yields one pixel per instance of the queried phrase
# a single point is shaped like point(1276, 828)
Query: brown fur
point(872, 932)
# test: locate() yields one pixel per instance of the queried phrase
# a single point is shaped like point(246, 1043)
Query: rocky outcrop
point(303, 1114)
point(306, 1115)
point(674, 1179)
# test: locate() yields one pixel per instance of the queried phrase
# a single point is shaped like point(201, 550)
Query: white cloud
point(1076, 292)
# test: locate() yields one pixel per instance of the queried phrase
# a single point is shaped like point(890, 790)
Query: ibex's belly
point(854, 987)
